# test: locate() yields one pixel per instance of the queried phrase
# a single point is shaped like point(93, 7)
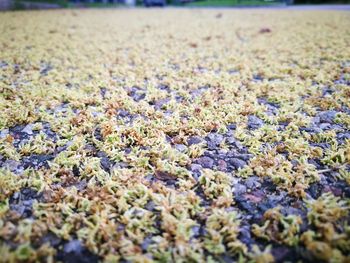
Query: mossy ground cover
point(174, 136)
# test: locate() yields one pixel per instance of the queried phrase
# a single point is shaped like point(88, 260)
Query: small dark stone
point(45, 70)
point(150, 206)
point(316, 120)
point(231, 140)
point(196, 230)
point(76, 171)
point(73, 246)
point(136, 93)
point(81, 185)
point(268, 185)
point(244, 204)
point(325, 126)
point(240, 189)
point(244, 156)
point(106, 163)
point(237, 163)
point(206, 162)
point(258, 77)
point(146, 243)
point(103, 92)
point(180, 147)
point(97, 134)
point(327, 116)
point(245, 234)
point(52, 239)
point(123, 113)
point(22, 202)
point(3, 64)
point(139, 96)
point(74, 252)
point(164, 87)
point(194, 140)
point(13, 166)
point(37, 161)
point(315, 190)
point(222, 165)
point(159, 103)
point(280, 253)
point(198, 92)
point(165, 176)
point(28, 129)
point(214, 140)
point(254, 122)
point(195, 167)
point(327, 91)
point(231, 126)
point(265, 30)
point(341, 137)
point(252, 182)
point(270, 202)
point(210, 153)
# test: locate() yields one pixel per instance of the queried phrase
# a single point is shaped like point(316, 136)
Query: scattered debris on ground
point(175, 136)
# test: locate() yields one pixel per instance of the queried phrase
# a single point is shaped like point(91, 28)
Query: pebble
point(22, 202)
point(136, 93)
point(159, 103)
point(232, 126)
point(245, 234)
point(327, 116)
point(243, 156)
point(315, 190)
point(280, 253)
point(123, 113)
point(180, 147)
point(81, 185)
point(28, 129)
point(341, 137)
point(194, 140)
point(37, 161)
point(106, 163)
point(103, 91)
point(74, 252)
point(138, 96)
point(253, 182)
point(255, 198)
point(146, 243)
point(214, 140)
point(206, 162)
point(164, 87)
point(195, 167)
point(240, 189)
point(4, 133)
point(231, 140)
point(324, 126)
point(237, 163)
point(222, 165)
point(254, 122)
point(316, 120)
point(3, 64)
point(150, 206)
point(245, 204)
point(13, 166)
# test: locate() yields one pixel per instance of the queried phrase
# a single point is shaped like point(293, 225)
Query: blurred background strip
point(49, 4)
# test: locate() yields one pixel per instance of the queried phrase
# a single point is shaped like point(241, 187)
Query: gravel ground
point(175, 135)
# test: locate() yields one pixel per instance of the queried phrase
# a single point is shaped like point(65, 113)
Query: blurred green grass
point(18, 4)
point(232, 3)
